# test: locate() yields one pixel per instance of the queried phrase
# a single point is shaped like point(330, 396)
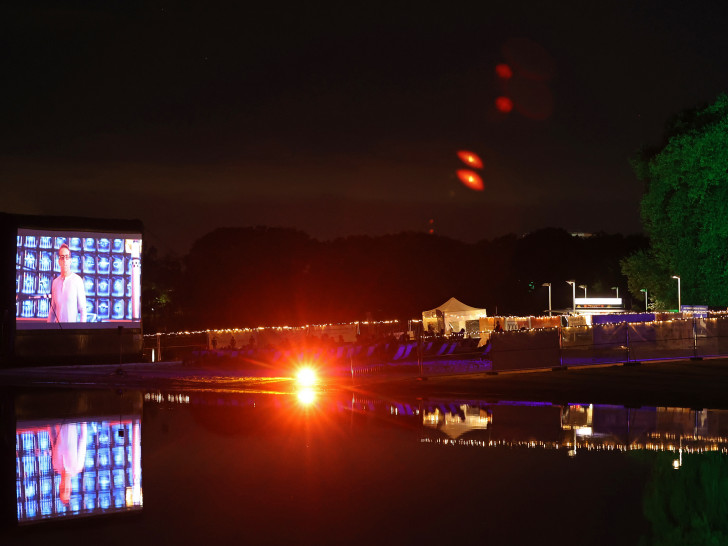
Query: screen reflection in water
point(73, 466)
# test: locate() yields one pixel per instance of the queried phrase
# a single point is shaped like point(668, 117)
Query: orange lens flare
point(470, 159)
point(306, 397)
point(306, 377)
point(470, 179)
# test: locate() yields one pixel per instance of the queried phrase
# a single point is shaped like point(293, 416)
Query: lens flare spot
point(306, 396)
point(470, 159)
point(529, 59)
point(470, 179)
point(504, 104)
point(503, 71)
point(306, 377)
point(532, 99)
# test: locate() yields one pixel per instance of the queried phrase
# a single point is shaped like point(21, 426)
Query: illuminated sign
point(611, 302)
point(698, 311)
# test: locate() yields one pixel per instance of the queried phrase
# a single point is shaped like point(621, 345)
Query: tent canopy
point(454, 306)
point(454, 314)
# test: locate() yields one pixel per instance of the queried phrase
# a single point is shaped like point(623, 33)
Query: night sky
point(345, 119)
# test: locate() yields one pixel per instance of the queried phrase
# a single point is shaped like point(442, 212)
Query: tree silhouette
point(260, 276)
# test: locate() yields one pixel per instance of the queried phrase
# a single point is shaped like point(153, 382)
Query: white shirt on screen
point(69, 447)
point(68, 300)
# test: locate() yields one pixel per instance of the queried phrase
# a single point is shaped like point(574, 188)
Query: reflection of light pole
point(645, 291)
point(573, 295)
point(679, 306)
point(549, 285)
point(617, 289)
point(677, 463)
point(584, 287)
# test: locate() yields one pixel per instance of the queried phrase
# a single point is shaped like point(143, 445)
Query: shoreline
point(685, 383)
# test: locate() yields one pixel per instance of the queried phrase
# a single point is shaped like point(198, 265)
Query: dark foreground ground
point(680, 383)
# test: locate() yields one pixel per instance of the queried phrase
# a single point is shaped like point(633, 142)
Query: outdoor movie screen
point(72, 279)
point(86, 467)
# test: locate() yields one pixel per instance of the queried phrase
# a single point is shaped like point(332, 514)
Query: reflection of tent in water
point(452, 316)
point(456, 421)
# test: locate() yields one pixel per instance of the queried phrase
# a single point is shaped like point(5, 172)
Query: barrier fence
point(610, 343)
point(516, 350)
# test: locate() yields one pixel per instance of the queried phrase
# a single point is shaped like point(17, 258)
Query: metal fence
point(611, 343)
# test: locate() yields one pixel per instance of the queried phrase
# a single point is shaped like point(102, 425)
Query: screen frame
point(132, 275)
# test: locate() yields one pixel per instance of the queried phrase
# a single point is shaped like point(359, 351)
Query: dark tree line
point(260, 276)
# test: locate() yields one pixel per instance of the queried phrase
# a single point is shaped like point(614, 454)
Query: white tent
point(454, 314)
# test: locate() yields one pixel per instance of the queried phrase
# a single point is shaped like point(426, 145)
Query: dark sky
point(345, 119)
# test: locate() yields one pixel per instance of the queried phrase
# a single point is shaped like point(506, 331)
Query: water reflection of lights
point(583, 431)
point(173, 398)
point(573, 448)
point(458, 420)
point(306, 396)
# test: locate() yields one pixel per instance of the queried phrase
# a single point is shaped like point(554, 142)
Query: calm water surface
point(221, 467)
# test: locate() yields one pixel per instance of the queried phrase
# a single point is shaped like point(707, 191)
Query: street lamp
point(617, 289)
point(645, 291)
point(549, 285)
point(573, 294)
point(679, 306)
point(584, 287)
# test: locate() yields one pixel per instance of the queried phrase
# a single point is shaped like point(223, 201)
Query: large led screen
point(66, 279)
point(85, 467)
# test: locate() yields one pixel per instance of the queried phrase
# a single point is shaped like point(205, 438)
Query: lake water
point(150, 467)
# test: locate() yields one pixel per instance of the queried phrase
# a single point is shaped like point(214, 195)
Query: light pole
point(617, 289)
point(573, 295)
point(584, 287)
point(645, 291)
point(679, 306)
point(549, 285)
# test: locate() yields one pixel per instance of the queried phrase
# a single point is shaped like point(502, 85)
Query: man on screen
point(68, 295)
point(68, 454)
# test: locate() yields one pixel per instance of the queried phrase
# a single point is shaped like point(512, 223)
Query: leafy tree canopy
point(685, 210)
point(687, 506)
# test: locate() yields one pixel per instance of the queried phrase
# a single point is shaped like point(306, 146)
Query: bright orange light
point(470, 179)
point(504, 104)
point(306, 396)
point(503, 71)
point(306, 377)
point(470, 159)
